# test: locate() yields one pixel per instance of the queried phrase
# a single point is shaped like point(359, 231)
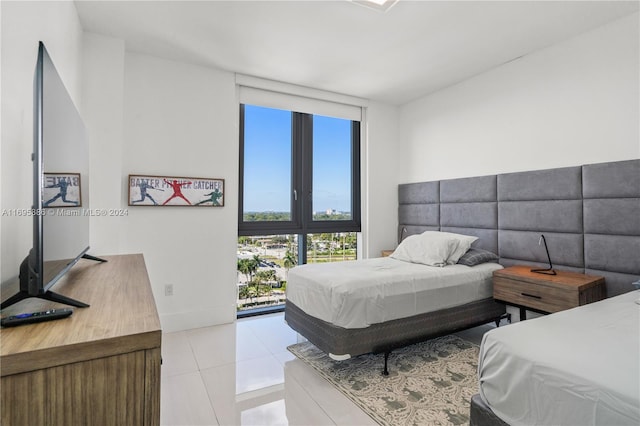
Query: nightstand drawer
point(518, 285)
point(536, 296)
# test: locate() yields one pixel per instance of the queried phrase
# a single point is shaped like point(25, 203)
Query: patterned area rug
point(430, 383)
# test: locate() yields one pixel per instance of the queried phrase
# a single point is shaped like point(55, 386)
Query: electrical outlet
point(168, 289)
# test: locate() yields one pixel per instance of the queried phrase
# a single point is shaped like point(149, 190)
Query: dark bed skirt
point(481, 414)
point(384, 337)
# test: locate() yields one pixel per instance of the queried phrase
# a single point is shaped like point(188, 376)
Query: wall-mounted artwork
point(175, 191)
point(61, 190)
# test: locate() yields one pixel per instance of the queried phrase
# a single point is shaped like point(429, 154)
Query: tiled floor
point(242, 374)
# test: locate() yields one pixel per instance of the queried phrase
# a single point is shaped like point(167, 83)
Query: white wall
point(148, 115)
point(152, 116)
point(103, 101)
point(573, 103)
point(23, 25)
point(380, 178)
point(182, 120)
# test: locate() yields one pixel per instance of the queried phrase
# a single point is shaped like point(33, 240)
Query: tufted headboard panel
point(589, 215)
point(418, 208)
point(469, 206)
point(611, 197)
point(547, 202)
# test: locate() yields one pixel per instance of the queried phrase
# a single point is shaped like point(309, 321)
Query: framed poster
point(175, 191)
point(61, 190)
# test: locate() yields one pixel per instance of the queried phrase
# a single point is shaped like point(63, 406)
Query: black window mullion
point(355, 173)
point(295, 173)
point(241, 177)
point(302, 249)
point(306, 144)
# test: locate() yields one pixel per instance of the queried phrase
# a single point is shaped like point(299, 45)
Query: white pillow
point(464, 243)
point(433, 248)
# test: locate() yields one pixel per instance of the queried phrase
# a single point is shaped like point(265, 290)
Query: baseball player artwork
point(61, 190)
point(175, 191)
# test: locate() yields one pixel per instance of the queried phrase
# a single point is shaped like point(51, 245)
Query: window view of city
point(264, 263)
point(285, 154)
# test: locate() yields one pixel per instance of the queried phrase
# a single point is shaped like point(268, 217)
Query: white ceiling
point(413, 49)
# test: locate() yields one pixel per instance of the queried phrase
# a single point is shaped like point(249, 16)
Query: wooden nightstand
point(518, 286)
point(387, 253)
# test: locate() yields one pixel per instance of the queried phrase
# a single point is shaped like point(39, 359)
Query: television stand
point(89, 257)
point(47, 295)
point(26, 277)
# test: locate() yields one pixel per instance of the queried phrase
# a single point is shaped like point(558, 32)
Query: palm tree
point(248, 267)
point(289, 261)
point(273, 277)
point(243, 292)
point(266, 276)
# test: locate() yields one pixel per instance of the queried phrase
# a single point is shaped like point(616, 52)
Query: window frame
point(301, 191)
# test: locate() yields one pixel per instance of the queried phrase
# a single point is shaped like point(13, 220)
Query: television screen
point(64, 177)
point(60, 188)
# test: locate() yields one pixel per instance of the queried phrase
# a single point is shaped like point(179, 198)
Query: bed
point(434, 283)
point(579, 366)
point(590, 217)
point(588, 214)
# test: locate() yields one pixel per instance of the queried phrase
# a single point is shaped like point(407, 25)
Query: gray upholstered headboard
point(589, 215)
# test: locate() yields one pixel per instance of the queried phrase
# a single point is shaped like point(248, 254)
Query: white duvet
point(576, 367)
point(356, 294)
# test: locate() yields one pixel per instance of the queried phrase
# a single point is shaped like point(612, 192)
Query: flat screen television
point(60, 188)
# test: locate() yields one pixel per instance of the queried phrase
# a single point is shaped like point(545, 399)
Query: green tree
point(289, 261)
point(265, 278)
point(244, 292)
point(248, 267)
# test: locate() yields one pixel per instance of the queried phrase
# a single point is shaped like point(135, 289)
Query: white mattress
point(576, 367)
point(356, 294)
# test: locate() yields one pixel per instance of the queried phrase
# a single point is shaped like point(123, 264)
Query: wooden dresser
point(100, 366)
point(518, 286)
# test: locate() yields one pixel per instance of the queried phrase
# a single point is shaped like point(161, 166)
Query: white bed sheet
point(357, 294)
point(576, 367)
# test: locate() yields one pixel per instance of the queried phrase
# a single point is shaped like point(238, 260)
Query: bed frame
point(588, 214)
point(481, 414)
point(387, 336)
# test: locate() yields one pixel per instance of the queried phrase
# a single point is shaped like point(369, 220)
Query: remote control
point(31, 317)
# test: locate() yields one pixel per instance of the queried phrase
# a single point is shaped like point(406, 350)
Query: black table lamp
point(549, 270)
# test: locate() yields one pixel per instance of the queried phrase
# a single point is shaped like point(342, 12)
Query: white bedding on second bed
point(576, 367)
point(356, 294)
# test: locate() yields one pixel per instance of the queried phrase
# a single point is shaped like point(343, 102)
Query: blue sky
point(267, 162)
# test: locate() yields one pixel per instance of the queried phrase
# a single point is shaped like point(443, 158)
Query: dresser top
point(122, 317)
